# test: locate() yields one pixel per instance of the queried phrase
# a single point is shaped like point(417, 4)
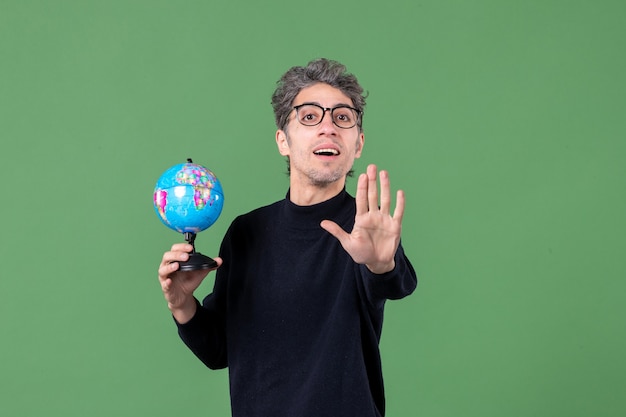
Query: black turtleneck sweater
point(295, 319)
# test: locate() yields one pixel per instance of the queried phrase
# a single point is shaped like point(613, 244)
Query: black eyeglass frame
point(330, 110)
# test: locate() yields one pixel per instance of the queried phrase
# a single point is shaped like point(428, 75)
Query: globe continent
point(188, 198)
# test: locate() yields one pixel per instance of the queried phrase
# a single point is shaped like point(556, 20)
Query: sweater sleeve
point(205, 335)
point(392, 285)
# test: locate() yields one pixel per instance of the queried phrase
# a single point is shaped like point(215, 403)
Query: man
point(297, 308)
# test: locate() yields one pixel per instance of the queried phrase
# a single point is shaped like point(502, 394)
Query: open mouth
point(326, 152)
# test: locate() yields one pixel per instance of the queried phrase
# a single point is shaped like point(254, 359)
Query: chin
point(326, 178)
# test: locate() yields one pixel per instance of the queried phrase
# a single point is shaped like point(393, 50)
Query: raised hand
point(178, 287)
point(375, 237)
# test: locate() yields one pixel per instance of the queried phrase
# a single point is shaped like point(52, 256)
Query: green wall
point(503, 121)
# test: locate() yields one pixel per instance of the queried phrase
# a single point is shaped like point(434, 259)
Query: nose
point(327, 121)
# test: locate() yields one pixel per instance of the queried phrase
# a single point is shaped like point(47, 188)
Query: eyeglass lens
point(312, 114)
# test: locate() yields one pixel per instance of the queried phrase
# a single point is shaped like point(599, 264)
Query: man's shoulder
point(249, 224)
point(260, 213)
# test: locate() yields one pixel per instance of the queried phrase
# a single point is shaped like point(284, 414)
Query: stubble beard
point(316, 177)
point(324, 179)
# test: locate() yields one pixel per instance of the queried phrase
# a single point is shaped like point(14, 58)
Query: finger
point(361, 194)
point(219, 262)
point(398, 213)
point(166, 284)
point(181, 247)
point(174, 256)
point(372, 188)
point(335, 230)
point(166, 270)
point(385, 194)
point(178, 252)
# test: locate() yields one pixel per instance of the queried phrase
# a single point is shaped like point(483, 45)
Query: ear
point(359, 145)
point(282, 143)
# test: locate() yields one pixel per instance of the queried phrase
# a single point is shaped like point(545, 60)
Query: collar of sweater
point(310, 217)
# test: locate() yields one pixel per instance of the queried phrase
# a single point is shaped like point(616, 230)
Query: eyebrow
point(318, 104)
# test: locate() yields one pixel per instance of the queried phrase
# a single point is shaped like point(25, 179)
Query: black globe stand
point(196, 260)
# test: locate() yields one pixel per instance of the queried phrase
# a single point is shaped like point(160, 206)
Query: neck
point(314, 194)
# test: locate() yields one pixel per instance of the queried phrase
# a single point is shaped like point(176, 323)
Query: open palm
point(376, 233)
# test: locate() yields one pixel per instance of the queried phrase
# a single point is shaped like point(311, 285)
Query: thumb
point(335, 230)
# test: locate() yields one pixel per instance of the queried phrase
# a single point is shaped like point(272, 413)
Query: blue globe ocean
point(188, 198)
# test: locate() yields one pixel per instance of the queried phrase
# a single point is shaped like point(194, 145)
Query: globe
point(188, 198)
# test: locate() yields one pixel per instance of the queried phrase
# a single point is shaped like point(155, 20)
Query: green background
point(503, 121)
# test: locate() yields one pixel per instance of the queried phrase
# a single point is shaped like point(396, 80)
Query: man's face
point(323, 154)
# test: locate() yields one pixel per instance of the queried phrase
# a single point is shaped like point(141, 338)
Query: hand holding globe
point(188, 198)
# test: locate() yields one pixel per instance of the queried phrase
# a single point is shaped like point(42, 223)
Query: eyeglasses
point(343, 116)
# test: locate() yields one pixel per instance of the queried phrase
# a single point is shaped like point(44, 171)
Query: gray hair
point(321, 70)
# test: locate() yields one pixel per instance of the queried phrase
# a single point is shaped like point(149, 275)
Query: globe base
point(196, 262)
